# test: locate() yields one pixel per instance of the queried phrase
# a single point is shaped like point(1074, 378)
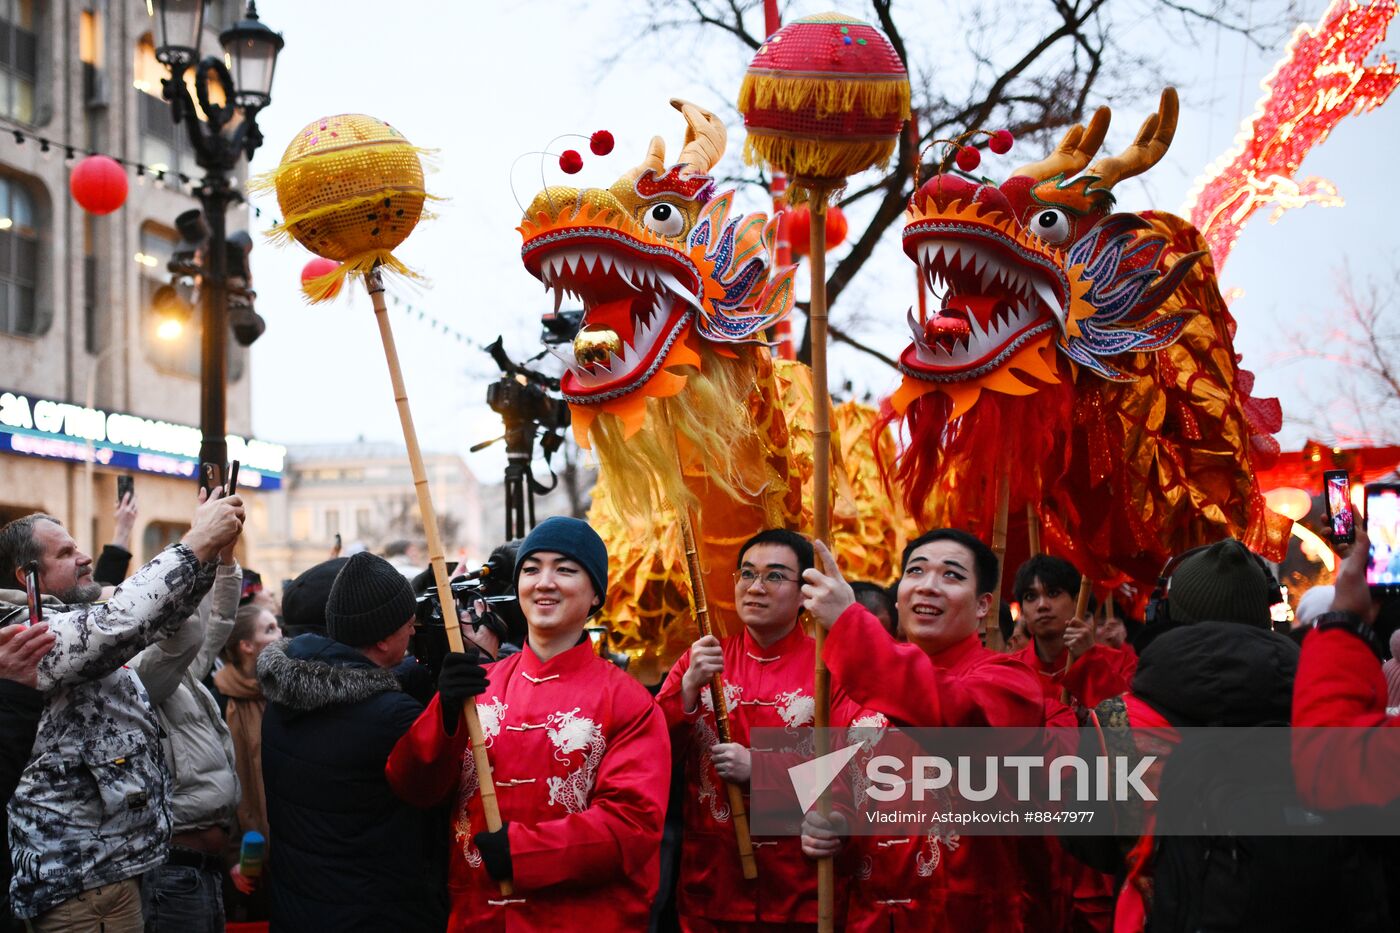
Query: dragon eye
point(1051, 225)
point(664, 219)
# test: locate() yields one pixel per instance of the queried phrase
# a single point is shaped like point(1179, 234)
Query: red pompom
point(571, 162)
point(318, 267)
point(601, 143)
point(1001, 142)
point(98, 184)
point(968, 158)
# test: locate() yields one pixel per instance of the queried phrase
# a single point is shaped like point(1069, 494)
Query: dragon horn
point(705, 137)
point(656, 157)
point(1147, 149)
point(1075, 150)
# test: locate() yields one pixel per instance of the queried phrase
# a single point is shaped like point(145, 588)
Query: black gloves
point(462, 677)
point(495, 852)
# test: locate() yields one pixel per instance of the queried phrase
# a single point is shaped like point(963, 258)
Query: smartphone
point(232, 479)
point(126, 486)
point(1337, 487)
point(1383, 528)
point(31, 592)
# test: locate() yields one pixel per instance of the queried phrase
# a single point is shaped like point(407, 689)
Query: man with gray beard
point(90, 813)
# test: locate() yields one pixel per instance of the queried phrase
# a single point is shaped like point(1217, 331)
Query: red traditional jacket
point(1096, 675)
point(764, 687)
point(1339, 683)
point(582, 765)
point(999, 883)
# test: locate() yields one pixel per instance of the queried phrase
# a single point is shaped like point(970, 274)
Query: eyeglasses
point(747, 576)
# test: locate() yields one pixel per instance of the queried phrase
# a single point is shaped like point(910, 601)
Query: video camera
point(492, 585)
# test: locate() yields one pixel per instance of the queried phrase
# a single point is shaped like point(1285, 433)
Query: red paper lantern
point(800, 229)
point(316, 268)
point(98, 184)
point(824, 98)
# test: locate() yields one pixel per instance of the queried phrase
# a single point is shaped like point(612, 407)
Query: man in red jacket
point(942, 677)
point(578, 753)
point(1340, 683)
point(767, 671)
point(1081, 673)
point(1062, 649)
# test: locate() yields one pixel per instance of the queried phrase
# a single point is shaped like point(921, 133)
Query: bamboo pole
point(1033, 528)
point(821, 515)
point(374, 283)
point(1086, 589)
point(702, 617)
point(992, 623)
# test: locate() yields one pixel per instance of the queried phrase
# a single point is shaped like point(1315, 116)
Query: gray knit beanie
point(369, 601)
point(1223, 583)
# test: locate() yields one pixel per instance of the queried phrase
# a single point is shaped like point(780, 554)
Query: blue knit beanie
point(574, 539)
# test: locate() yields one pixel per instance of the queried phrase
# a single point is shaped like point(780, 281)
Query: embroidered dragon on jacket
point(1088, 354)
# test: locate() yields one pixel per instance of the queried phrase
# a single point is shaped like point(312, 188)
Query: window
point(160, 535)
point(19, 259)
point(332, 523)
point(18, 60)
point(165, 145)
point(301, 524)
point(362, 523)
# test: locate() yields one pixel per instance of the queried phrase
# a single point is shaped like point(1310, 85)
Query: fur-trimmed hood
point(311, 672)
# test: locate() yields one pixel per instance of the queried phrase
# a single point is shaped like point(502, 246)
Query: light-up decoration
point(40, 427)
point(1322, 78)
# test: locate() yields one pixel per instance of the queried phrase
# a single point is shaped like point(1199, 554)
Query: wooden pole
point(702, 618)
point(1086, 589)
point(821, 516)
point(992, 622)
point(375, 284)
point(1033, 528)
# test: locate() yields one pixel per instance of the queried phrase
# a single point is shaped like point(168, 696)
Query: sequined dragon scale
point(1087, 355)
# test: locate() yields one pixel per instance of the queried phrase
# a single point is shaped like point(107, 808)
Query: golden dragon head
point(664, 274)
point(1037, 269)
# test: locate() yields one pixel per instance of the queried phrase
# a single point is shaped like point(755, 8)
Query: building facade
point(90, 386)
point(363, 492)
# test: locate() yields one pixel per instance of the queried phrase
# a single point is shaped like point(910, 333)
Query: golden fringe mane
point(712, 419)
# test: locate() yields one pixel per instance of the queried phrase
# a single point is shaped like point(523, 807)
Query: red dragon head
point(1080, 362)
point(671, 285)
point(1036, 269)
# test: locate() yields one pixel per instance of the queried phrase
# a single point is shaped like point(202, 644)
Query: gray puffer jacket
point(196, 741)
point(92, 805)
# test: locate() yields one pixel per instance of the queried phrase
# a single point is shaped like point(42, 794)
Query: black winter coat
point(345, 854)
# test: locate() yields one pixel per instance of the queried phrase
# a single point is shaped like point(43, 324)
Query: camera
point(492, 585)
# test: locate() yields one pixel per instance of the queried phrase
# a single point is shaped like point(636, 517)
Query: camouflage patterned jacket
point(92, 805)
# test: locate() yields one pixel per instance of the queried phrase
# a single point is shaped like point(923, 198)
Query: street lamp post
point(228, 132)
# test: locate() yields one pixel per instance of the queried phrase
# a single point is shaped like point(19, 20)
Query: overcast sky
point(485, 83)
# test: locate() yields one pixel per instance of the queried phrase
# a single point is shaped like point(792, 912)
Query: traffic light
point(246, 323)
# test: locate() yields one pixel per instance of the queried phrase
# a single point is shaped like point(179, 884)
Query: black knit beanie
point(574, 539)
point(1223, 583)
point(369, 601)
point(304, 599)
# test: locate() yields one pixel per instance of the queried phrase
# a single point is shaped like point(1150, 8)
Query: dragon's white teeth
point(914, 327)
point(605, 262)
point(558, 298)
point(676, 288)
point(1047, 294)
